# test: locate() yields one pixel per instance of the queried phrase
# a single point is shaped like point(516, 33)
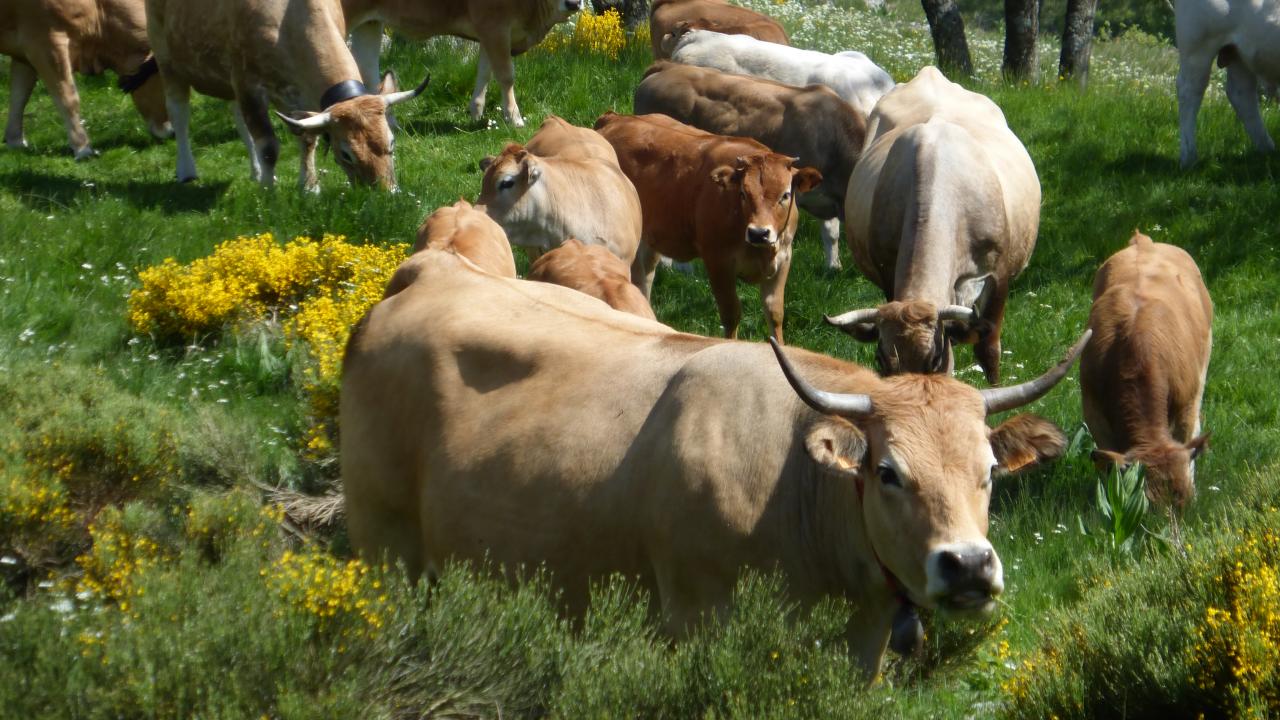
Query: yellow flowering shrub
point(337, 594)
point(1236, 656)
point(101, 464)
point(114, 561)
point(317, 289)
point(214, 521)
point(592, 34)
point(33, 510)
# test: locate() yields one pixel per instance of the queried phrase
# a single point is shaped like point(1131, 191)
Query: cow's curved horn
point(853, 317)
point(316, 122)
point(957, 312)
point(821, 400)
point(399, 97)
point(1006, 398)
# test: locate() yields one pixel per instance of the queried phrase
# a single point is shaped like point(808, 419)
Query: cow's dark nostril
point(758, 235)
point(951, 565)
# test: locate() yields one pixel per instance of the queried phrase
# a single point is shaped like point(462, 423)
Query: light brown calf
point(594, 271)
point(1142, 375)
point(469, 232)
point(51, 39)
point(564, 183)
point(504, 29)
point(728, 200)
point(669, 16)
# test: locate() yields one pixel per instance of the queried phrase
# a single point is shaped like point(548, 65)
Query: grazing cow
point(1142, 375)
point(469, 232)
point(565, 182)
point(850, 74)
point(669, 17)
point(674, 459)
point(811, 123)
point(504, 29)
point(1244, 36)
point(942, 213)
point(51, 39)
point(727, 200)
point(594, 271)
point(292, 53)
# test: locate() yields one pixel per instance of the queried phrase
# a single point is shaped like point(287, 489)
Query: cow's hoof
point(86, 153)
point(161, 132)
point(477, 111)
point(186, 179)
point(516, 121)
point(16, 143)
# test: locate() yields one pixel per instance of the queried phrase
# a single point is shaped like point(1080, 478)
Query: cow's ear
point(1104, 460)
point(723, 176)
point(1024, 441)
point(532, 165)
point(806, 179)
point(486, 161)
point(1198, 445)
point(389, 84)
point(836, 444)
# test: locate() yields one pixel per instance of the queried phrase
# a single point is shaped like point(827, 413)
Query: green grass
point(206, 424)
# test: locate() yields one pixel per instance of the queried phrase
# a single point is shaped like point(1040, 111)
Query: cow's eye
point(889, 476)
point(346, 157)
point(786, 198)
point(506, 183)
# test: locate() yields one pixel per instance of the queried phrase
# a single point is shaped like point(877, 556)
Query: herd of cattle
point(553, 420)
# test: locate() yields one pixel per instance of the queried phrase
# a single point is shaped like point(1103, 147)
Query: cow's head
point(923, 457)
point(508, 179)
point(672, 38)
point(766, 185)
point(146, 90)
point(1171, 467)
point(359, 133)
point(913, 336)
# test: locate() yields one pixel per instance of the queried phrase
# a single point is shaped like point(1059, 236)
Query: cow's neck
point(838, 534)
point(321, 38)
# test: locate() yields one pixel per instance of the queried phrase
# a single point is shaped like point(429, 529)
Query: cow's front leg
point(482, 86)
point(496, 47)
point(308, 178)
point(54, 68)
point(22, 80)
point(177, 100)
point(772, 295)
point(987, 347)
point(255, 110)
point(1242, 91)
point(724, 287)
point(1193, 78)
point(255, 167)
point(643, 267)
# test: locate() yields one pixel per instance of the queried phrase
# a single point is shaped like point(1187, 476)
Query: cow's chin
point(974, 604)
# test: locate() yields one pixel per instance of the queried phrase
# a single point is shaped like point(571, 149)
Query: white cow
point(850, 74)
point(1244, 36)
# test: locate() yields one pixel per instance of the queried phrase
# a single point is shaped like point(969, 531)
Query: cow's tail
point(130, 83)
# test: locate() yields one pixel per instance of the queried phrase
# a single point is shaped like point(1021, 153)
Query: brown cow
point(564, 183)
point(292, 53)
point(50, 39)
point(667, 17)
point(504, 28)
point(524, 424)
point(811, 123)
point(594, 271)
point(1142, 376)
point(727, 200)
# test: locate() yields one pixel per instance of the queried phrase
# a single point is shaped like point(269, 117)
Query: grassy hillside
point(145, 575)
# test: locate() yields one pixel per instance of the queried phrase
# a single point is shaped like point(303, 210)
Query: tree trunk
point(1077, 41)
point(1021, 26)
point(633, 12)
point(947, 27)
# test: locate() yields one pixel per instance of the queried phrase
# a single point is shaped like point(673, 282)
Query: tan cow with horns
point(290, 53)
point(51, 39)
point(1142, 376)
point(942, 213)
point(462, 440)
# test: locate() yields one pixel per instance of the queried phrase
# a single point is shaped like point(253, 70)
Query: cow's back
point(462, 229)
point(715, 15)
point(558, 138)
point(594, 271)
point(462, 437)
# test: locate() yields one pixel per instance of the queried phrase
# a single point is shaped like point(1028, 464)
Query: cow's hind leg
point(255, 167)
point(177, 99)
point(1193, 78)
point(54, 67)
point(831, 242)
point(1242, 91)
point(366, 48)
point(482, 86)
point(22, 80)
point(497, 50)
point(772, 294)
point(643, 267)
